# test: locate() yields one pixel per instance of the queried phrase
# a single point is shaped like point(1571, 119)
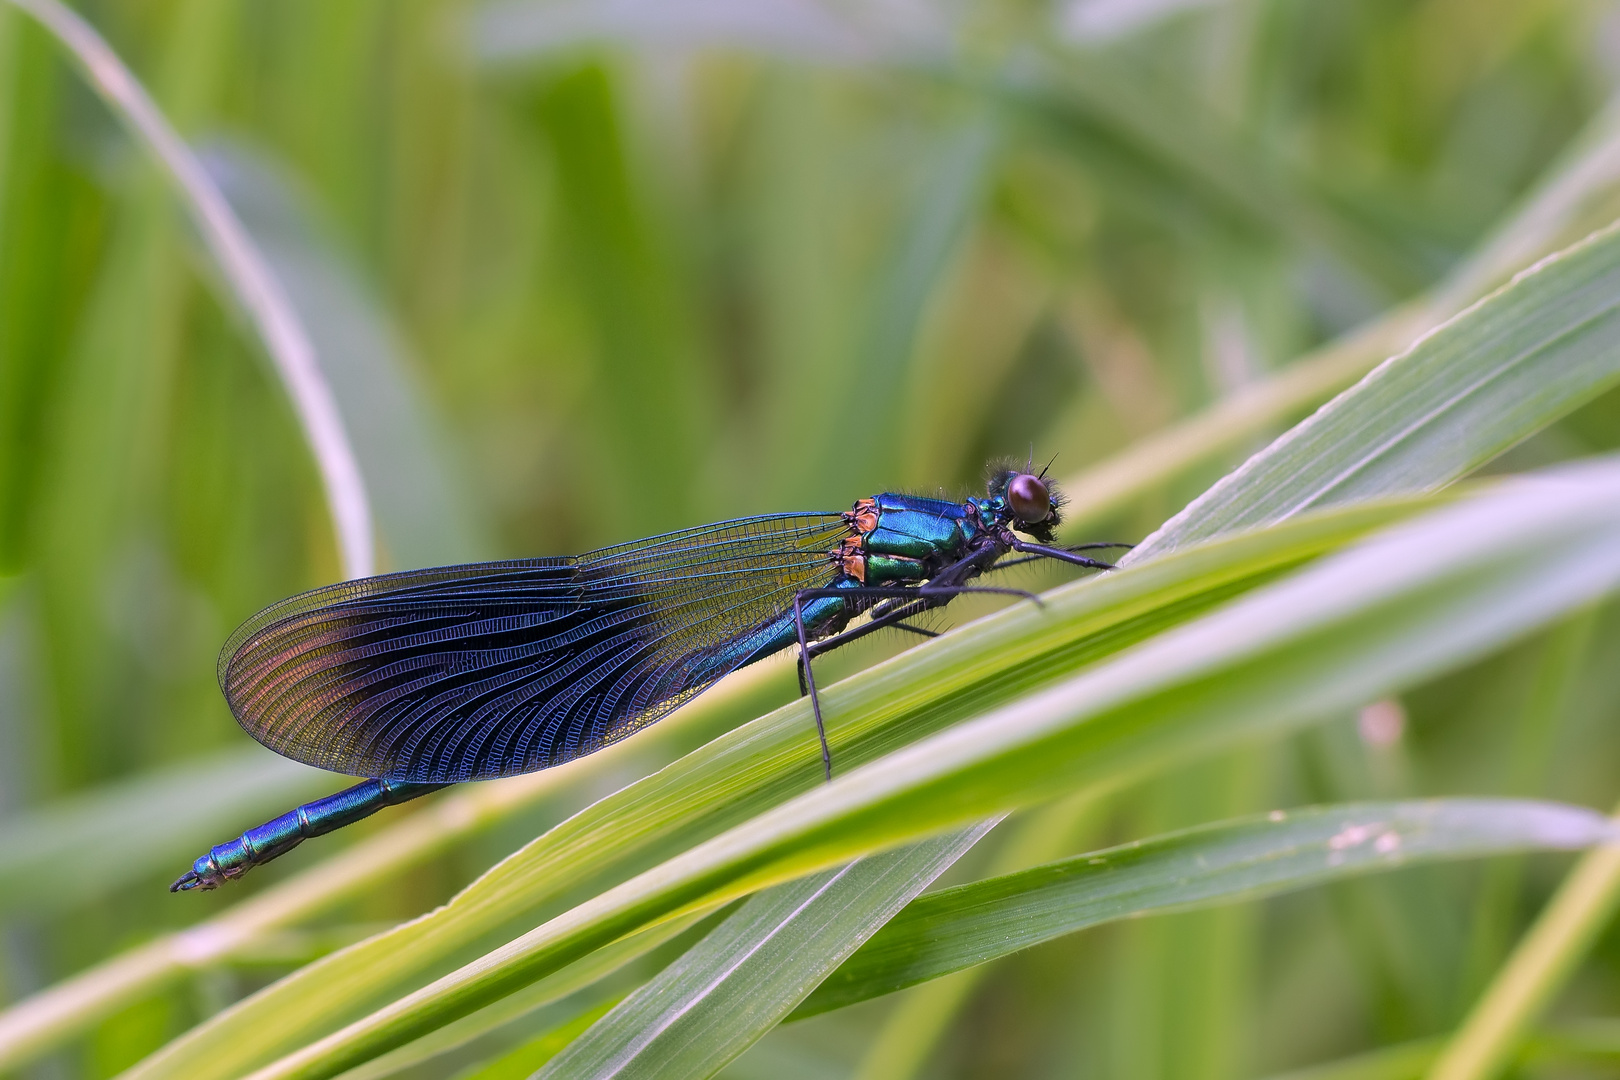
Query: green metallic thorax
point(914, 537)
point(894, 539)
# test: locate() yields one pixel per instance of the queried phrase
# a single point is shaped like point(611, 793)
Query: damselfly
point(436, 677)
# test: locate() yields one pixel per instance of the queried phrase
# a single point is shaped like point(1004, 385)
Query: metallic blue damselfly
point(434, 677)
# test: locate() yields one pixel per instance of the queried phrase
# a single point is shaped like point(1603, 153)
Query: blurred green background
point(580, 272)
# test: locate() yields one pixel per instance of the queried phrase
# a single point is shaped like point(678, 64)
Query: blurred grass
point(633, 286)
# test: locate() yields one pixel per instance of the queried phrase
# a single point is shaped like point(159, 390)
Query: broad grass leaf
point(1233, 860)
point(740, 980)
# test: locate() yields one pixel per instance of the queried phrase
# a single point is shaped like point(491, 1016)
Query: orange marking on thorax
point(864, 517)
point(852, 557)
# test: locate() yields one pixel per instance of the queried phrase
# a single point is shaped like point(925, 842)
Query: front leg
point(1060, 554)
point(809, 678)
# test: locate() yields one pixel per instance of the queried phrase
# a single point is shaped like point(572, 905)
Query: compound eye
point(1029, 499)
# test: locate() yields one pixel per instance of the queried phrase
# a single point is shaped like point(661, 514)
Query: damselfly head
point(1027, 501)
point(1029, 498)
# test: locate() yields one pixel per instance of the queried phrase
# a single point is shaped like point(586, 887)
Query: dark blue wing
point(491, 669)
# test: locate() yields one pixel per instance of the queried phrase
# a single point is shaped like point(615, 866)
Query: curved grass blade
point(759, 765)
point(1235, 860)
point(252, 283)
point(1533, 351)
point(1417, 459)
point(1391, 611)
point(731, 988)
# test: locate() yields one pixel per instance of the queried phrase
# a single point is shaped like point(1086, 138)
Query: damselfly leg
point(897, 603)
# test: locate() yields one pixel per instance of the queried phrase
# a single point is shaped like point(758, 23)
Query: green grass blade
point(575, 977)
point(1502, 370)
point(1244, 859)
point(252, 283)
point(749, 972)
point(763, 763)
point(1396, 609)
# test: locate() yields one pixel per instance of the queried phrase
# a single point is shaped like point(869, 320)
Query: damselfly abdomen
point(436, 677)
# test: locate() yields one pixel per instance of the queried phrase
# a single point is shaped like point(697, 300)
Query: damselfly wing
point(493, 669)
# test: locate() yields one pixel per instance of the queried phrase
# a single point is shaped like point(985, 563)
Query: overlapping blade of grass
point(1233, 860)
point(556, 987)
point(761, 764)
point(1416, 406)
point(66, 852)
point(688, 1021)
point(1406, 604)
point(1536, 349)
